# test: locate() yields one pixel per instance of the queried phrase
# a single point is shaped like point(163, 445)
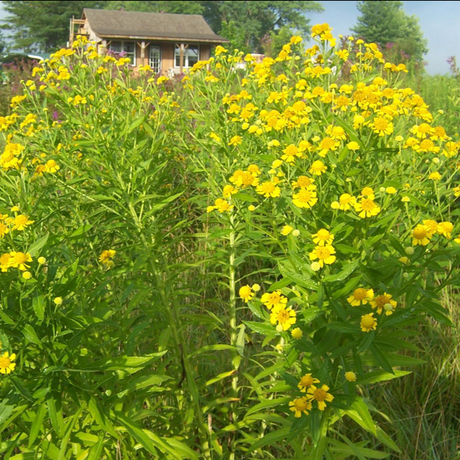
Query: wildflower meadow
point(219, 266)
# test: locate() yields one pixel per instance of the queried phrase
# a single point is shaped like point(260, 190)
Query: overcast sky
point(439, 20)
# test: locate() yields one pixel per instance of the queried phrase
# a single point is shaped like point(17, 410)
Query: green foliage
point(42, 26)
point(386, 23)
point(134, 324)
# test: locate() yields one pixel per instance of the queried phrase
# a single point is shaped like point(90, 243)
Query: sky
point(439, 21)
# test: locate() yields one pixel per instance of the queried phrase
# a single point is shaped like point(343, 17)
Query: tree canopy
point(386, 23)
point(249, 25)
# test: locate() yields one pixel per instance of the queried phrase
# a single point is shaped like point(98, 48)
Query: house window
point(155, 58)
point(124, 49)
point(191, 55)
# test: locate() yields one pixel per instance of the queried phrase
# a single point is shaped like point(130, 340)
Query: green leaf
point(34, 249)
point(269, 439)
point(266, 404)
point(380, 358)
point(30, 334)
point(261, 328)
point(344, 273)
point(37, 424)
point(381, 376)
point(38, 304)
point(208, 348)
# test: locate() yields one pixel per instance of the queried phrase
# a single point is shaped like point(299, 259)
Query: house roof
point(141, 25)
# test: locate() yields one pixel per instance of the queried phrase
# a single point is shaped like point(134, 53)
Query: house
point(169, 43)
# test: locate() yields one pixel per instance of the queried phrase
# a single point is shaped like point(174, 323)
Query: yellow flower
point(323, 237)
point(26, 275)
point(317, 168)
point(106, 256)
point(286, 230)
point(353, 146)
point(305, 198)
point(20, 222)
point(51, 166)
point(268, 189)
point(246, 293)
point(41, 260)
point(235, 140)
point(297, 333)
point(445, 229)
point(435, 176)
point(346, 201)
point(360, 296)
point(382, 126)
point(321, 395)
point(420, 235)
point(304, 182)
point(274, 300)
point(368, 322)
point(390, 190)
point(58, 300)
point(324, 254)
point(285, 317)
point(350, 376)
point(306, 382)
point(300, 406)
point(367, 208)
point(19, 259)
point(6, 363)
point(384, 302)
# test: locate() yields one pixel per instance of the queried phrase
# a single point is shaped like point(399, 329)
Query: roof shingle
point(133, 24)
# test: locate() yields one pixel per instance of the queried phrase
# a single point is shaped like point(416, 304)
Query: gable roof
point(141, 25)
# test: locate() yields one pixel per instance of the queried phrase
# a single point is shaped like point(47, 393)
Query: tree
point(386, 23)
point(42, 26)
point(256, 20)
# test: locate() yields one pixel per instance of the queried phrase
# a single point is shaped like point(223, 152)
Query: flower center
point(419, 233)
point(283, 316)
point(381, 300)
point(320, 394)
point(360, 294)
point(367, 321)
point(367, 204)
point(304, 196)
point(323, 253)
point(268, 187)
point(301, 404)
point(5, 363)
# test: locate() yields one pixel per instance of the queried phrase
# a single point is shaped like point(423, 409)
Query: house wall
point(167, 54)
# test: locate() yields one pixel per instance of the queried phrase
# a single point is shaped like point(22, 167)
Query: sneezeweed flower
point(20, 222)
point(324, 254)
point(435, 176)
point(420, 235)
point(317, 168)
point(283, 317)
point(304, 182)
point(41, 260)
point(353, 146)
point(106, 257)
point(51, 167)
point(286, 230)
point(350, 376)
point(274, 300)
point(381, 301)
point(3, 230)
point(368, 322)
point(19, 260)
point(305, 199)
point(295, 233)
point(58, 301)
point(360, 296)
point(269, 189)
point(366, 207)
point(382, 126)
point(256, 287)
point(346, 201)
point(445, 229)
point(390, 190)
point(6, 363)
point(306, 382)
point(321, 395)
point(27, 275)
point(300, 406)
point(297, 333)
point(323, 237)
point(246, 293)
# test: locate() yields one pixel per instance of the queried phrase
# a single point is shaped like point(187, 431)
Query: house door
point(155, 58)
